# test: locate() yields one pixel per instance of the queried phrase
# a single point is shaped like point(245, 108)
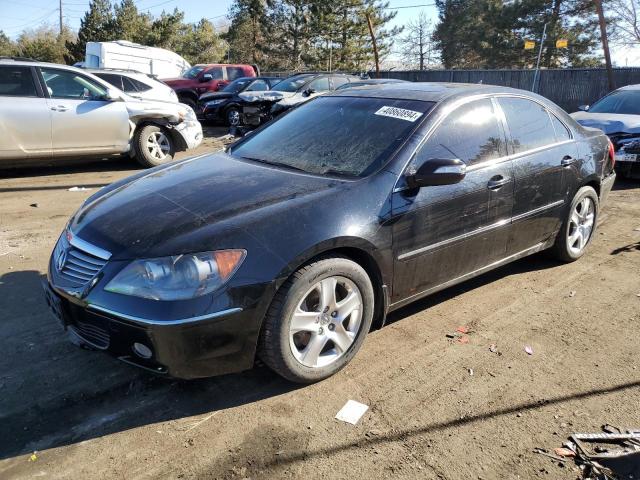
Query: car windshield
point(291, 84)
point(193, 72)
point(237, 85)
point(342, 136)
point(622, 101)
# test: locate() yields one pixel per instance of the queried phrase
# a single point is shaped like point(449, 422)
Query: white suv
point(136, 84)
point(50, 111)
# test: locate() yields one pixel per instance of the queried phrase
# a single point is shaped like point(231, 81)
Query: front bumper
point(210, 114)
point(191, 133)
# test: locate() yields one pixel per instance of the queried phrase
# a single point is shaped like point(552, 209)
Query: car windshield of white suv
point(291, 84)
point(193, 72)
point(318, 137)
point(622, 102)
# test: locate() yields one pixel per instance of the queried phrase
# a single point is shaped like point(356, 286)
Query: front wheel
point(233, 117)
point(577, 229)
point(318, 320)
point(153, 145)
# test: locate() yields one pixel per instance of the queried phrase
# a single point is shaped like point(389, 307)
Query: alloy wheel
point(326, 322)
point(158, 145)
point(233, 117)
point(581, 225)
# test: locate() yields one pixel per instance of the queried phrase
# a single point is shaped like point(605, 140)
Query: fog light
point(142, 350)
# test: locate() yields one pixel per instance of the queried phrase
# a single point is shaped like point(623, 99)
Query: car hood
point(265, 96)
point(180, 82)
point(609, 123)
point(207, 97)
point(145, 108)
point(147, 216)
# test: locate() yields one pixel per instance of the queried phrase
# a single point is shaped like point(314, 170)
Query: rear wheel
point(318, 320)
point(154, 146)
point(233, 117)
point(578, 228)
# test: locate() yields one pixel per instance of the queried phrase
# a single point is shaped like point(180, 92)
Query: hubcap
point(158, 145)
point(580, 225)
point(326, 322)
point(234, 118)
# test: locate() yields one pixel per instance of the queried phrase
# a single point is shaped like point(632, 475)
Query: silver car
point(50, 111)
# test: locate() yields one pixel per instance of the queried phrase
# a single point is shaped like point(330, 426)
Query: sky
point(16, 15)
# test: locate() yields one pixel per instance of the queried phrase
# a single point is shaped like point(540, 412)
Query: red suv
point(207, 78)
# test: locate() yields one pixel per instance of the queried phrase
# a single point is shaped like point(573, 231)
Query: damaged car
point(260, 107)
point(299, 238)
point(618, 115)
point(55, 112)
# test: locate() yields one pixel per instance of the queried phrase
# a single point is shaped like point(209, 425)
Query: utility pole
point(535, 75)
point(60, 10)
point(605, 43)
point(373, 42)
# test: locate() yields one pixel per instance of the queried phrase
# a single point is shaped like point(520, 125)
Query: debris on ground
point(463, 339)
point(614, 454)
point(462, 329)
point(493, 348)
point(470, 370)
point(528, 349)
point(34, 205)
point(352, 412)
point(33, 457)
point(572, 293)
point(78, 189)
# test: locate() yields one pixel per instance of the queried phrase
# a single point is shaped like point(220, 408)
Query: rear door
point(441, 233)
point(82, 120)
point(25, 119)
point(540, 157)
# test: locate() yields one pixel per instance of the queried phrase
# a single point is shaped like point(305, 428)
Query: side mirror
point(112, 95)
point(207, 77)
point(584, 108)
point(437, 171)
point(308, 92)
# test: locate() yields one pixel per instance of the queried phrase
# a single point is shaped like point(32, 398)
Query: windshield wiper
point(276, 164)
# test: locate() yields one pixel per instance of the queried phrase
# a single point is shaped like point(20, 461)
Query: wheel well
point(595, 185)
point(178, 141)
point(188, 94)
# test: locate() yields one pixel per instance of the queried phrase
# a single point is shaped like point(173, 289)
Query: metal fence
point(569, 88)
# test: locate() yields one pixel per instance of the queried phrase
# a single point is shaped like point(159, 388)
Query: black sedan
point(226, 105)
point(300, 237)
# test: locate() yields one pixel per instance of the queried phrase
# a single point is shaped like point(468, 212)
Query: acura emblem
point(61, 259)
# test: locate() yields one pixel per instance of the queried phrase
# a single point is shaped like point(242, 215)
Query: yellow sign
point(562, 43)
point(529, 44)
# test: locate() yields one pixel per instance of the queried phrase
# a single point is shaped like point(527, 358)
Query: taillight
point(612, 154)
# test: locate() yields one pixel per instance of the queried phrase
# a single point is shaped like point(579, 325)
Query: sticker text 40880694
point(400, 113)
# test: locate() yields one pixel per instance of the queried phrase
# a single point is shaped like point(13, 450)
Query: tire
point(151, 154)
point(293, 355)
point(578, 227)
point(233, 117)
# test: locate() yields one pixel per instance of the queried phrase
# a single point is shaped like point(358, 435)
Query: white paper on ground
point(352, 412)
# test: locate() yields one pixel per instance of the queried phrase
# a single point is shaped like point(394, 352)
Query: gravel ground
point(438, 408)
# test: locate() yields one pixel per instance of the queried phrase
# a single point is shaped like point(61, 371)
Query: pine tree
point(129, 24)
point(94, 27)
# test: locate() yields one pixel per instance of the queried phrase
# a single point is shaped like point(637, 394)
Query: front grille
point(94, 334)
point(76, 262)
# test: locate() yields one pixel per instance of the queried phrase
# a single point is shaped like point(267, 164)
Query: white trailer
point(124, 55)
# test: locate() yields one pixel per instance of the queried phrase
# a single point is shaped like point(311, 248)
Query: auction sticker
point(401, 113)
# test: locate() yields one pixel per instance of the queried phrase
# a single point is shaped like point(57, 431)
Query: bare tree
point(625, 21)
point(416, 45)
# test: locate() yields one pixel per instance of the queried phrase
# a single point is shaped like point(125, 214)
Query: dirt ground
point(438, 408)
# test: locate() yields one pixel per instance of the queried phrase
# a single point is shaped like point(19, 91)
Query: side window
point(128, 86)
point(234, 72)
point(17, 82)
point(69, 84)
point(113, 79)
point(215, 72)
point(338, 81)
point(320, 84)
point(528, 122)
point(471, 133)
point(562, 132)
point(258, 86)
point(139, 86)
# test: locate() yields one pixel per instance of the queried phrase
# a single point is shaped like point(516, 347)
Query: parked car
point(125, 55)
point(53, 112)
point(136, 84)
point(370, 81)
point(227, 104)
point(296, 240)
point(295, 90)
point(207, 78)
point(618, 115)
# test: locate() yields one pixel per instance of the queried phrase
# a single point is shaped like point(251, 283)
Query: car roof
point(630, 87)
point(424, 91)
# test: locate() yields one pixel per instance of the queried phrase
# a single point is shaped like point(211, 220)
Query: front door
point(82, 120)
point(541, 155)
point(442, 233)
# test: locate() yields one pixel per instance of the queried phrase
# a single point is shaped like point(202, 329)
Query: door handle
point(497, 182)
point(568, 161)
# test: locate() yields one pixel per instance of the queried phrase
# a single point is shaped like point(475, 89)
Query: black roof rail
point(19, 59)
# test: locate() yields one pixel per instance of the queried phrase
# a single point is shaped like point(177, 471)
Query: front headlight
point(186, 113)
point(177, 277)
point(213, 102)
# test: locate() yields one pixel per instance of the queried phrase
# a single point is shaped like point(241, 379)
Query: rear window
point(336, 135)
point(17, 82)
